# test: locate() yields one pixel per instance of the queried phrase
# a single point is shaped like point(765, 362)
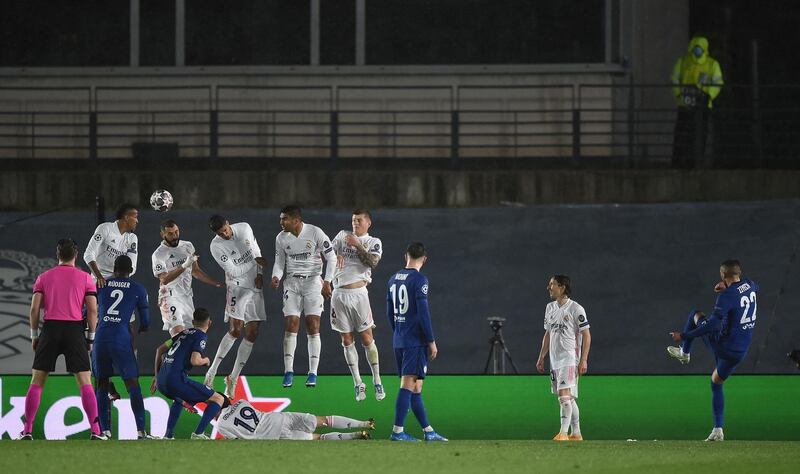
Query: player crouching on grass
point(174, 359)
point(567, 339)
point(242, 421)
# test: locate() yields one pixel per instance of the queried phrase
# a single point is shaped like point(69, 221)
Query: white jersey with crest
point(302, 255)
point(165, 259)
point(565, 323)
point(237, 256)
point(353, 270)
point(242, 421)
point(106, 244)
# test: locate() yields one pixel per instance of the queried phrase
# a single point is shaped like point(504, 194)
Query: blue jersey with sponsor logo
point(178, 360)
point(732, 322)
point(407, 309)
point(116, 303)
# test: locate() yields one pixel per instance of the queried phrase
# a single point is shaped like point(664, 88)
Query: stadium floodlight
point(498, 352)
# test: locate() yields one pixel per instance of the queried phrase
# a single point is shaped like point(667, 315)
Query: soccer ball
point(161, 200)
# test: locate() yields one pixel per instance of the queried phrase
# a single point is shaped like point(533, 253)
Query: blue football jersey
point(178, 360)
point(116, 303)
point(737, 308)
point(407, 309)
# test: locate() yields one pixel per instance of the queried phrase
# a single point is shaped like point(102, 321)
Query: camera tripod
point(498, 353)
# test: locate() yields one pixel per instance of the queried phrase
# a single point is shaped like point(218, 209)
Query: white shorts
point(244, 304)
point(350, 310)
point(302, 296)
point(565, 377)
point(298, 426)
point(176, 310)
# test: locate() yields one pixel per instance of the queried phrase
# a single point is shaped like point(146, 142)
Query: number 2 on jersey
point(399, 298)
point(118, 294)
point(745, 303)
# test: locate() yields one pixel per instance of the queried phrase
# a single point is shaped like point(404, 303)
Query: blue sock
point(401, 406)
point(211, 412)
point(686, 346)
point(174, 413)
point(717, 404)
point(103, 409)
point(137, 405)
point(419, 410)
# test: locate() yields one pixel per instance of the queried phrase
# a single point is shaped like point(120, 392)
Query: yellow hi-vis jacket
point(703, 73)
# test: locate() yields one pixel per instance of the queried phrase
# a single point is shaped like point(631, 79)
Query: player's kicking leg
point(682, 352)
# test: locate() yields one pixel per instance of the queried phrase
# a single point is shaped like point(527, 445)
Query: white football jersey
point(302, 255)
point(353, 270)
point(565, 324)
point(165, 259)
point(242, 421)
point(237, 256)
point(107, 244)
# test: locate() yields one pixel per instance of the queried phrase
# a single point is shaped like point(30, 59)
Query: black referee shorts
point(62, 337)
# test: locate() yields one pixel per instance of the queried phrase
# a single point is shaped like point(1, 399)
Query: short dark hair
point(416, 250)
point(124, 209)
point(731, 267)
point(201, 315)
point(216, 222)
point(167, 223)
point(362, 211)
point(66, 249)
point(123, 265)
point(292, 210)
point(564, 281)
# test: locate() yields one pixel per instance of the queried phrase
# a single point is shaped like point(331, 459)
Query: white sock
point(289, 345)
point(428, 429)
point(566, 412)
point(372, 356)
point(351, 357)
point(224, 347)
point(241, 358)
point(334, 436)
point(314, 349)
point(575, 422)
point(336, 421)
point(397, 429)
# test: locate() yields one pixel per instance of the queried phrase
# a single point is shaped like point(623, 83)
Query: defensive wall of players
point(390, 187)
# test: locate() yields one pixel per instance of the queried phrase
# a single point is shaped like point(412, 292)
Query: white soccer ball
point(161, 200)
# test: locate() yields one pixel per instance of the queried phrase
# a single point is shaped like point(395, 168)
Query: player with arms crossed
point(414, 344)
point(567, 339)
point(174, 359)
point(300, 247)
point(236, 250)
point(357, 254)
point(113, 345)
point(728, 332)
point(242, 421)
point(175, 264)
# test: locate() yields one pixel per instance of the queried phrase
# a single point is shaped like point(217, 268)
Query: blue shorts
point(185, 389)
point(114, 359)
point(412, 361)
point(726, 361)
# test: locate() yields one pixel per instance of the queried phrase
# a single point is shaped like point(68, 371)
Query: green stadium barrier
point(465, 407)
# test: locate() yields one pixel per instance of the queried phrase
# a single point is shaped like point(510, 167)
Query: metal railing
point(569, 125)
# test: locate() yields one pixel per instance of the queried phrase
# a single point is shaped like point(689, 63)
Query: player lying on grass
point(727, 332)
point(241, 421)
point(174, 359)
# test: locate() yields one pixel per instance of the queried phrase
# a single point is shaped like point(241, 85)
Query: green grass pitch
point(382, 456)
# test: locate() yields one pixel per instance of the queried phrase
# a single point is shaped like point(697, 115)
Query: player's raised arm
point(133, 252)
point(201, 275)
